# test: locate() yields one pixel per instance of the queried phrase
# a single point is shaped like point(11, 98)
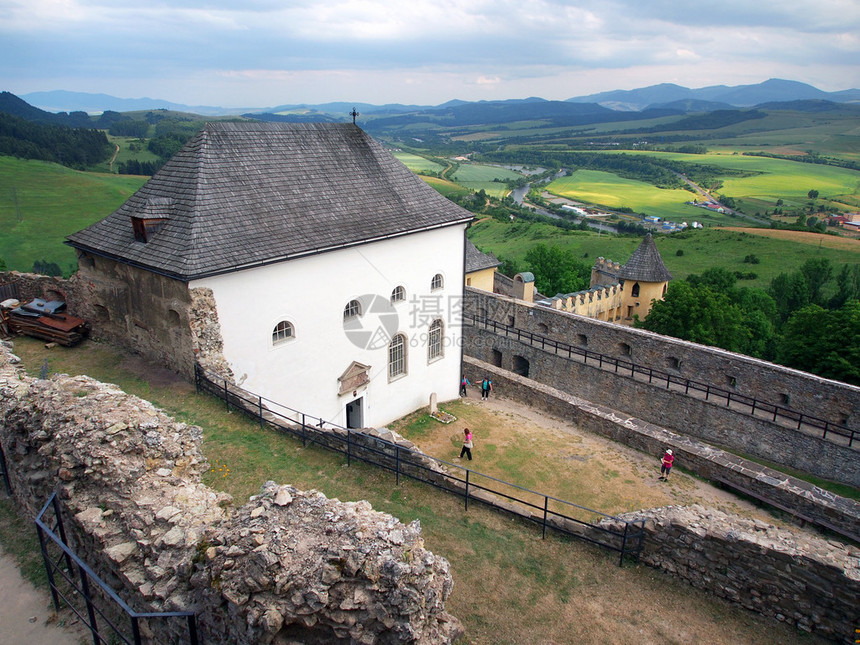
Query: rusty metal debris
point(45, 319)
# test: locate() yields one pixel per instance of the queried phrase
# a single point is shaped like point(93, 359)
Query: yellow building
point(618, 293)
point(480, 268)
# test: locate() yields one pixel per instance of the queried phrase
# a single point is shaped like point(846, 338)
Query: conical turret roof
point(645, 265)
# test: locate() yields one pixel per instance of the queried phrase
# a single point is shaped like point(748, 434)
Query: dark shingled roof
point(476, 260)
point(244, 194)
point(645, 264)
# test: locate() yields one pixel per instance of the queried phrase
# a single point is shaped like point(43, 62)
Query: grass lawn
point(41, 203)
point(511, 586)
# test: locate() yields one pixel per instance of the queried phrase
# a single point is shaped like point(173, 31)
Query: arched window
point(397, 356)
point(635, 290)
point(283, 332)
point(434, 341)
point(398, 295)
point(437, 282)
point(352, 309)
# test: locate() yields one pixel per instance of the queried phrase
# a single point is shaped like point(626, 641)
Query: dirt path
point(112, 159)
point(26, 613)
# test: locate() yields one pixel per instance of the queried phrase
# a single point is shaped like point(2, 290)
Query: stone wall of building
point(142, 312)
point(288, 566)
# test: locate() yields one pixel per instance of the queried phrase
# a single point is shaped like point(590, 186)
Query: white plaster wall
point(311, 293)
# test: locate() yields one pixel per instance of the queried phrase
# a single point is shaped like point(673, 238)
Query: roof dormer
point(149, 220)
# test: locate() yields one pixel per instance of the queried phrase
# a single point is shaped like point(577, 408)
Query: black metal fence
point(748, 405)
point(544, 510)
point(107, 616)
point(7, 484)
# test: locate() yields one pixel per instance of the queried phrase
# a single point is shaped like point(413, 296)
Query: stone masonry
point(289, 566)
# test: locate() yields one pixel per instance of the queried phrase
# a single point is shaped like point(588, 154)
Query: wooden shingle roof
point(476, 260)
point(645, 264)
point(244, 194)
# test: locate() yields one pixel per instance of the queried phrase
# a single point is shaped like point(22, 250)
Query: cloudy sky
point(261, 53)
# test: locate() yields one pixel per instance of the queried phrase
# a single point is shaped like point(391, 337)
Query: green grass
point(445, 187)
point(19, 540)
point(775, 178)
point(701, 249)
point(417, 163)
point(613, 192)
point(41, 203)
point(481, 177)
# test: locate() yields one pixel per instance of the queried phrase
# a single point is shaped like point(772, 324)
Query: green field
point(481, 177)
point(417, 163)
point(445, 187)
point(41, 203)
point(774, 179)
point(700, 249)
point(610, 190)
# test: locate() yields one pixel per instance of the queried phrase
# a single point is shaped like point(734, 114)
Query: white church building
point(303, 261)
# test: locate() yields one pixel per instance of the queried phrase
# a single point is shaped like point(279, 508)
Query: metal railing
point(7, 484)
point(544, 510)
point(786, 417)
point(95, 604)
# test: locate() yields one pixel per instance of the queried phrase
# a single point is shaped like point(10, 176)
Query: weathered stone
point(119, 552)
point(285, 561)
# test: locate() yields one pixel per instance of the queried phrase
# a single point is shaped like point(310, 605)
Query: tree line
point(73, 147)
point(807, 319)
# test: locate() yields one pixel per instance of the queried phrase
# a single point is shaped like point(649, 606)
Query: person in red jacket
point(666, 467)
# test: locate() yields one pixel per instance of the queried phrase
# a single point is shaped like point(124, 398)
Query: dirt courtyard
point(546, 454)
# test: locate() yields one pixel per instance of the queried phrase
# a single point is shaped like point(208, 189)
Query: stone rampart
point(810, 583)
point(289, 565)
point(805, 499)
point(707, 420)
point(805, 393)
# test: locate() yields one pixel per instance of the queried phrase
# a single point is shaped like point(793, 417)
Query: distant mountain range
point(663, 97)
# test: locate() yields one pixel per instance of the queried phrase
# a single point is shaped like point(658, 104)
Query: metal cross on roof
point(353, 114)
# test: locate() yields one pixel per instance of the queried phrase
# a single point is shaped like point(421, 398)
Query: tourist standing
point(463, 383)
point(666, 464)
point(486, 388)
point(467, 444)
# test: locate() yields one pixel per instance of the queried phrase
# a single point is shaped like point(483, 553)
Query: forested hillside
point(72, 147)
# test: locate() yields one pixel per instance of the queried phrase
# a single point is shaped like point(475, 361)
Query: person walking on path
point(463, 383)
point(666, 464)
point(486, 388)
point(467, 444)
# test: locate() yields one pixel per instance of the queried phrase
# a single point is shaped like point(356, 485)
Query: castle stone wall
point(288, 566)
point(807, 500)
point(810, 583)
point(805, 393)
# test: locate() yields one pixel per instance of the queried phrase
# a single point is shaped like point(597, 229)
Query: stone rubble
point(288, 566)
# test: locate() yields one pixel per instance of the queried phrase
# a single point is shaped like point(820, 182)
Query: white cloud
point(220, 49)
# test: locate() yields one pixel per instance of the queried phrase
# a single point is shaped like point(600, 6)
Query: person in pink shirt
point(467, 444)
point(667, 462)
